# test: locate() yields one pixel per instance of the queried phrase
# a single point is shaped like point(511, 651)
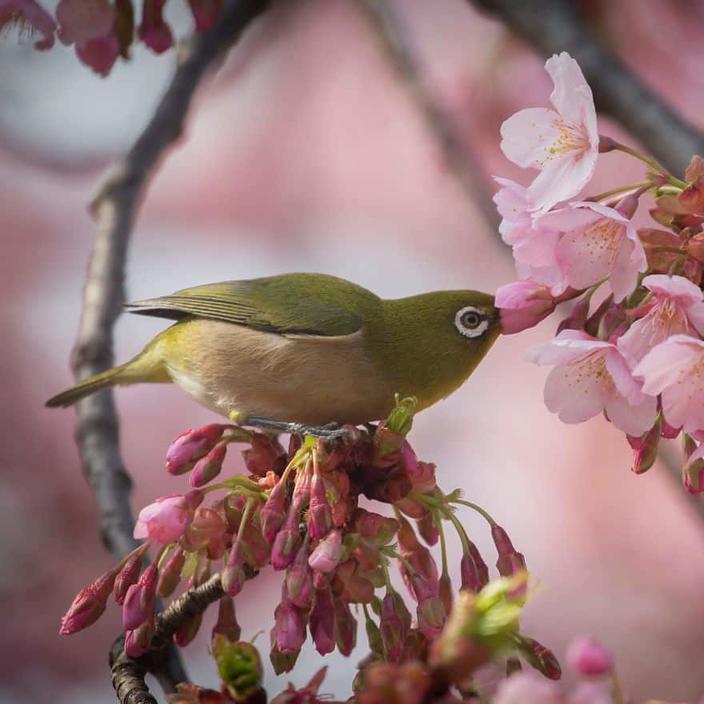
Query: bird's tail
point(110, 377)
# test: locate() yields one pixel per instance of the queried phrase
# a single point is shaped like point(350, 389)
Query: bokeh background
point(305, 153)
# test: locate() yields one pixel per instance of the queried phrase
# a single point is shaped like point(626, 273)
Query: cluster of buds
point(297, 510)
point(100, 31)
point(631, 347)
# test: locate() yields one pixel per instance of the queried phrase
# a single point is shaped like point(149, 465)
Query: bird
point(306, 352)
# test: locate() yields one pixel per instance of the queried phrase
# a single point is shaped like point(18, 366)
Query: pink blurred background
point(305, 153)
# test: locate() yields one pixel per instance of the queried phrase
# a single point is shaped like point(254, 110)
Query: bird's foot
point(329, 431)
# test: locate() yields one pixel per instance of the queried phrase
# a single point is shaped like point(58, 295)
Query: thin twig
point(555, 25)
point(114, 210)
point(128, 673)
point(389, 29)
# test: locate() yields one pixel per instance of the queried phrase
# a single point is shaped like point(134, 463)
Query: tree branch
point(114, 210)
point(555, 25)
point(468, 173)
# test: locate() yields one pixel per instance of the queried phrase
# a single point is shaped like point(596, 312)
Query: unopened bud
point(693, 468)
point(427, 528)
point(273, 512)
point(510, 560)
point(431, 617)
point(233, 576)
point(345, 628)
point(319, 521)
point(587, 657)
point(539, 657)
point(474, 572)
point(140, 599)
point(328, 553)
point(264, 455)
point(208, 467)
point(170, 575)
point(187, 631)
point(299, 582)
point(645, 448)
point(289, 632)
point(322, 621)
point(89, 604)
point(190, 446)
point(129, 574)
point(137, 641)
point(393, 628)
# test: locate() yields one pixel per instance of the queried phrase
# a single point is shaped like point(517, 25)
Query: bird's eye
point(471, 321)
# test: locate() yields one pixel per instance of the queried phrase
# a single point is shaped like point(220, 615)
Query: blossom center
point(571, 137)
point(603, 238)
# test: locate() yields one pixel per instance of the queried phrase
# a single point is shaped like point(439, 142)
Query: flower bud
point(273, 512)
point(264, 455)
point(187, 631)
point(233, 576)
point(539, 657)
point(322, 621)
point(190, 446)
point(208, 467)
point(393, 627)
point(427, 528)
point(587, 657)
point(431, 617)
point(89, 604)
point(374, 638)
point(165, 520)
point(299, 582)
point(289, 632)
point(153, 31)
point(170, 575)
point(510, 560)
point(137, 641)
point(693, 468)
point(319, 521)
point(523, 304)
point(207, 526)
point(129, 574)
point(473, 570)
point(140, 599)
point(374, 527)
point(328, 553)
point(226, 624)
point(287, 540)
point(445, 592)
point(345, 628)
point(645, 448)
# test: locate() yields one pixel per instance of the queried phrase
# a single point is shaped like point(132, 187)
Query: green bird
point(306, 351)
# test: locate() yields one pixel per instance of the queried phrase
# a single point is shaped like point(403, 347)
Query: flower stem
point(654, 164)
point(443, 544)
point(622, 189)
point(484, 514)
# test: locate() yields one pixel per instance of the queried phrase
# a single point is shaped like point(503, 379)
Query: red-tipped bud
point(540, 657)
point(190, 446)
point(153, 31)
point(374, 638)
point(299, 581)
point(207, 526)
point(170, 575)
point(264, 455)
point(328, 553)
point(137, 641)
point(587, 657)
point(431, 617)
point(393, 627)
point(319, 521)
point(510, 560)
point(645, 448)
point(227, 624)
point(427, 528)
point(233, 576)
point(693, 467)
point(322, 621)
point(445, 592)
point(289, 632)
point(140, 599)
point(128, 575)
point(374, 527)
point(188, 631)
point(287, 541)
point(273, 512)
point(523, 304)
point(474, 572)
point(208, 467)
point(345, 628)
point(89, 604)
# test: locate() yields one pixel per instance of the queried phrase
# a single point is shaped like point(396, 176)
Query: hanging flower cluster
point(100, 31)
point(631, 346)
point(298, 512)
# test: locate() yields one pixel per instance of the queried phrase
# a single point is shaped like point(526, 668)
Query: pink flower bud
point(207, 525)
point(226, 624)
point(233, 576)
point(328, 553)
point(190, 446)
point(319, 521)
point(473, 570)
point(645, 448)
point(205, 13)
point(539, 657)
point(393, 627)
point(587, 657)
point(289, 632)
point(445, 592)
point(523, 304)
point(299, 582)
point(137, 641)
point(345, 628)
point(273, 512)
point(89, 604)
point(431, 617)
point(264, 455)
point(322, 621)
point(188, 631)
point(163, 521)
point(510, 560)
point(128, 575)
point(153, 31)
point(140, 599)
point(374, 527)
point(427, 528)
point(208, 467)
point(170, 575)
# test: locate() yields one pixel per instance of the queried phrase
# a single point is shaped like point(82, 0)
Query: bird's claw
point(330, 431)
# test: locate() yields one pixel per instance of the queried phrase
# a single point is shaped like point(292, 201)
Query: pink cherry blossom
point(165, 520)
point(675, 369)
point(562, 143)
point(525, 687)
point(587, 657)
point(29, 16)
point(82, 20)
point(153, 31)
point(693, 471)
point(598, 242)
point(676, 307)
point(591, 376)
point(522, 305)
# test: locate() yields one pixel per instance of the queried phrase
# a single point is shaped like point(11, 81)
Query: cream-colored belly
point(313, 380)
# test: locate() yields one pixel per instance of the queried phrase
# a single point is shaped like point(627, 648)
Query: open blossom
point(598, 242)
point(29, 15)
point(676, 307)
point(592, 376)
point(562, 143)
point(165, 520)
point(675, 369)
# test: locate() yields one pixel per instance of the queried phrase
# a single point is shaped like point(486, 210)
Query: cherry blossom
point(675, 369)
point(676, 307)
point(30, 16)
point(562, 143)
point(592, 376)
point(523, 304)
point(165, 520)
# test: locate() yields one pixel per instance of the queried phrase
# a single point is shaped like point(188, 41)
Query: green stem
point(652, 163)
point(484, 514)
point(443, 544)
point(616, 691)
point(622, 189)
point(245, 519)
point(464, 538)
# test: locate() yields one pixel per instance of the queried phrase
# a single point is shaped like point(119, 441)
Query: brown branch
point(128, 673)
point(390, 32)
point(552, 26)
point(114, 210)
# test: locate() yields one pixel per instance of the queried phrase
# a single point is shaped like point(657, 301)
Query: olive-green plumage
point(308, 348)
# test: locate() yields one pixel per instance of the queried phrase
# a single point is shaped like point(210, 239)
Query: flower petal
point(528, 135)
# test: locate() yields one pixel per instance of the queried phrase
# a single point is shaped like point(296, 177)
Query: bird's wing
point(287, 305)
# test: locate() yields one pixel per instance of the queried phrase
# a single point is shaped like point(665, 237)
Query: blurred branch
point(128, 673)
point(114, 209)
point(391, 34)
point(555, 25)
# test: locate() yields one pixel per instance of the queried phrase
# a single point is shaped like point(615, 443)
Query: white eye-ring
point(471, 321)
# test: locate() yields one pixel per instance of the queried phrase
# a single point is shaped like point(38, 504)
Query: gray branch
point(552, 26)
point(114, 210)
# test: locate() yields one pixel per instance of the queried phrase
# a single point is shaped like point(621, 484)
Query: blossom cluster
point(100, 31)
point(297, 511)
point(631, 346)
